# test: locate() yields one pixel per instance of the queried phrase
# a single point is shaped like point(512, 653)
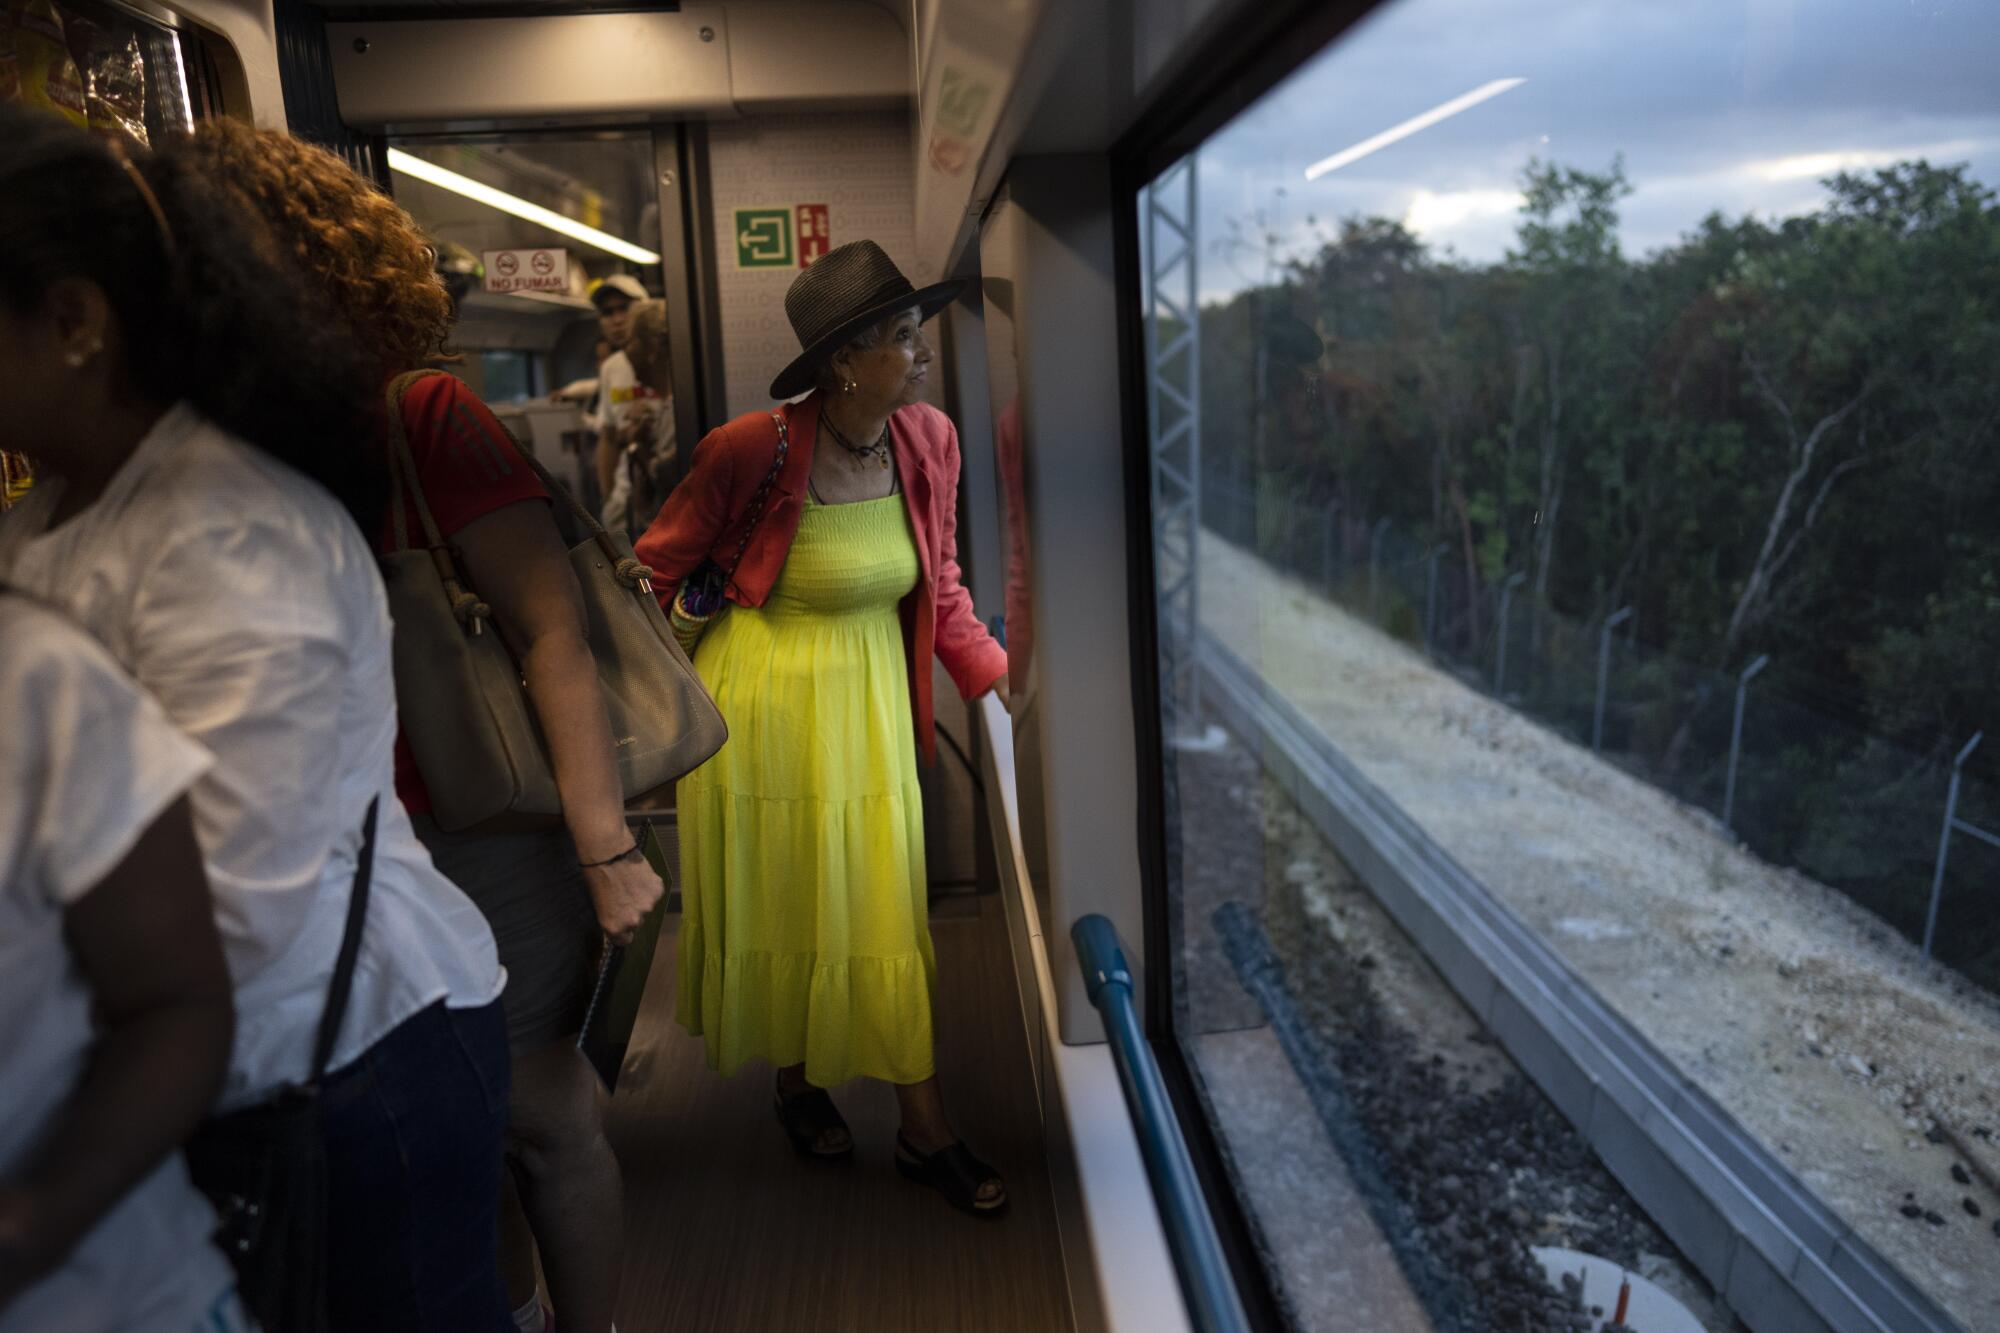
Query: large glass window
point(1574, 434)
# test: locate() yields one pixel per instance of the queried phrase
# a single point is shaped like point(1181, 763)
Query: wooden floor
point(727, 1229)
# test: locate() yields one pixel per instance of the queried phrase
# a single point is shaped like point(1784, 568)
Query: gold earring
point(847, 387)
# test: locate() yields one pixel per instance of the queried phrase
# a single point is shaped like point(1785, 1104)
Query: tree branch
point(1834, 418)
point(1812, 510)
point(1776, 400)
point(1781, 512)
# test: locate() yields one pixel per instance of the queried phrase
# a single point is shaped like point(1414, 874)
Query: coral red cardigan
point(704, 517)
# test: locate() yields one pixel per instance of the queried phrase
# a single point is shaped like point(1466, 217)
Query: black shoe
point(955, 1173)
point(807, 1117)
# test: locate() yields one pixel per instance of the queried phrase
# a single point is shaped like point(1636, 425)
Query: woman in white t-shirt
point(103, 908)
point(178, 392)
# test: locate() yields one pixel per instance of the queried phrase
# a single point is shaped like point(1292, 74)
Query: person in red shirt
point(548, 895)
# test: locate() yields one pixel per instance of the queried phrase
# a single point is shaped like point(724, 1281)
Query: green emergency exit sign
point(764, 238)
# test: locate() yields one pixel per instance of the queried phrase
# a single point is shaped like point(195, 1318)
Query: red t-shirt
point(469, 466)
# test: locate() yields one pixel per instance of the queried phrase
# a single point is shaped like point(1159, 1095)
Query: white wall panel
point(857, 164)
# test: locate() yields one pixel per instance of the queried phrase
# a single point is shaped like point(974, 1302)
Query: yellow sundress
point(805, 933)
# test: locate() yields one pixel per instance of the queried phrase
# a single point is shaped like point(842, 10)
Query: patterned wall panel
point(857, 164)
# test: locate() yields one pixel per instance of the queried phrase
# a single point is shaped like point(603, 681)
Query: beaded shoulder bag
point(703, 594)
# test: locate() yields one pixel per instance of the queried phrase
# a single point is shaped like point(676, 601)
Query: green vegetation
point(1769, 438)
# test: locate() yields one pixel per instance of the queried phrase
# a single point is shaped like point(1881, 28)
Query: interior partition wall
point(1047, 273)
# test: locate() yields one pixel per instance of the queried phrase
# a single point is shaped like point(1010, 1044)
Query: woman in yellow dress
point(828, 528)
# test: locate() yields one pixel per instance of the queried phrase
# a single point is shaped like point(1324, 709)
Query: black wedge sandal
point(955, 1173)
point(808, 1115)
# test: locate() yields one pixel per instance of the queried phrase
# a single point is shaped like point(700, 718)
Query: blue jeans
point(414, 1133)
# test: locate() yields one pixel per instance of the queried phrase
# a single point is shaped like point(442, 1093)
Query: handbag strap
point(403, 467)
point(403, 472)
point(755, 513)
point(632, 572)
point(350, 949)
point(465, 604)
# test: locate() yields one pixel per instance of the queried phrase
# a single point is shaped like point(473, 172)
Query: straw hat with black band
point(846, 291)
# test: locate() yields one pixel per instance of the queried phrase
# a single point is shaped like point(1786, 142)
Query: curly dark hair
point(352, 241)
point(206, 310)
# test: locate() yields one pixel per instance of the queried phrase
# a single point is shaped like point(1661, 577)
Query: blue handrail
point(1204, 1274)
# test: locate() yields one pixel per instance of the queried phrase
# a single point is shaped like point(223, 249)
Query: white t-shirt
point(244, 599)
point(87, 763)
point(617, 384)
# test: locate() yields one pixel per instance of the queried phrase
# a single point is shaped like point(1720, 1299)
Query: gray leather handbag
point(461, 696)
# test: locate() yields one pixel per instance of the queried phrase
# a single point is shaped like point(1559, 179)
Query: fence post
point(1431, 596)
point(1513, 581)
point(1329, 525)
point(1611, 622)
point(1375, 569)
point(1736, 735)
point(1944, 840)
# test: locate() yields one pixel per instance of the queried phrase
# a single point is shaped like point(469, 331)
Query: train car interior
point(1490, 508)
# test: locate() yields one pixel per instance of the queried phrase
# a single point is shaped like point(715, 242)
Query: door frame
point(679, 155)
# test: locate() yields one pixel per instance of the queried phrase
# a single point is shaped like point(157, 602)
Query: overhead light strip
point(479, 191)
point(1393, 134)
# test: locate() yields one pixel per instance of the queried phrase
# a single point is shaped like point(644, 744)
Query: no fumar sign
point(545, 270)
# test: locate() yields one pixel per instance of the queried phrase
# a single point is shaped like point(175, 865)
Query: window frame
point(1255, 54)
point(1245, 66)
point(678, 152)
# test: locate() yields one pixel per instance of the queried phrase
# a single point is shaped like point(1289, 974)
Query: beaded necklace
point(879, 451)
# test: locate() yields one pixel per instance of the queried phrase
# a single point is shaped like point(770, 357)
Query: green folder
point(622, 971)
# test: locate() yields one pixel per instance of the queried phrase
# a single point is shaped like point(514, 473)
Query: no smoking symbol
point(543, 262)
point(508, 264)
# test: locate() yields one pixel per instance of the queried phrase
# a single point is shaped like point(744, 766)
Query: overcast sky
point(1737, 105)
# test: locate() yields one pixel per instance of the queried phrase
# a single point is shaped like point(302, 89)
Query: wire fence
point(1912, 837)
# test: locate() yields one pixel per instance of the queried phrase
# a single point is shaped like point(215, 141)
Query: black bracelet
point(625, 855)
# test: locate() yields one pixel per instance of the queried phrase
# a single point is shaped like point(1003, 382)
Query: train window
point(527, 227)
point(588, 203)
point(506, 375)
point(1572, 440)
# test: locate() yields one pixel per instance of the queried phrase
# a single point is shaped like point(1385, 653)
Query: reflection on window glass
point(1580, 421)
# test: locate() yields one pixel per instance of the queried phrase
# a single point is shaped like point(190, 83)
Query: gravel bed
point(1463, 1163)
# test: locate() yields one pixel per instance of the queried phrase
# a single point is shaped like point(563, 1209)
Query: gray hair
point(870, 337)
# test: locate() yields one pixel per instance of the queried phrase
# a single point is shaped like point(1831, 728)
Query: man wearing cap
point(616, 382)
point(613, 297)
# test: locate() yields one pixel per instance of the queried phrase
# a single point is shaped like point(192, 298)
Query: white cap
point(623, 283)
